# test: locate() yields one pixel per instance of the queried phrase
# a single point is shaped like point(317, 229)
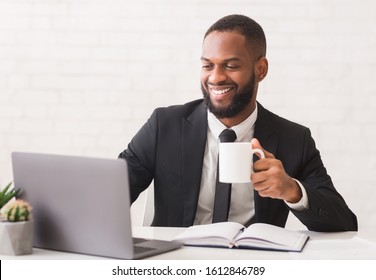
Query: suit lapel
point(265, 132)
point(194, 132)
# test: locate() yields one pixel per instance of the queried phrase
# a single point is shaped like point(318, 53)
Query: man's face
point(227, 79)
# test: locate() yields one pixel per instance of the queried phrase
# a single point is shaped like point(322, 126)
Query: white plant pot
point(16, 238)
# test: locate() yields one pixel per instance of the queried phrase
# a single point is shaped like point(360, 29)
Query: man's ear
point(261, 69)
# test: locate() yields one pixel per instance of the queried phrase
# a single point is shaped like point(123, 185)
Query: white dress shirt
point(242, 198)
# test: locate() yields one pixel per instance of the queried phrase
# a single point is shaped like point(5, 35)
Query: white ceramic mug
point(236, 161)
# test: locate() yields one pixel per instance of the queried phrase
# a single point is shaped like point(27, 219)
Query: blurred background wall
point(81, 77)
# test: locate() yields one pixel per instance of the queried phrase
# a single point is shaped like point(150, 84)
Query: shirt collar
point(241, 130)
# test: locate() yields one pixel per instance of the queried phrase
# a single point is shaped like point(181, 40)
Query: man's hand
point(271, 180)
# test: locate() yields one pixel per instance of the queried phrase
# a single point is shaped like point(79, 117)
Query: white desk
point(342, 245)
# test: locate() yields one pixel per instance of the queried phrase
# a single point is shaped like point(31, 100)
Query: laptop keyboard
point(140, 249)
point(147, 247)
point(138, 240)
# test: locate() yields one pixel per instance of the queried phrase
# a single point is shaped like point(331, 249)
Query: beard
point(239, 101)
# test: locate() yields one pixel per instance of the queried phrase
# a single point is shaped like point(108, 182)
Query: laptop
point(81, 205)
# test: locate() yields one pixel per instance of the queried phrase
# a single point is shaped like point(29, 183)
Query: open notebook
point(81, 205)
point(234, 235)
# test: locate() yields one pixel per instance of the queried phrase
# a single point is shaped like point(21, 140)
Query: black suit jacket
point(169, 149)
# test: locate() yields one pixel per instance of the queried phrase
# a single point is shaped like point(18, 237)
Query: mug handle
point(259, 152)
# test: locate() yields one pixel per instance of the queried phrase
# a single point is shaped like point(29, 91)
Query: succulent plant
point(6, 194)
point(18, 211)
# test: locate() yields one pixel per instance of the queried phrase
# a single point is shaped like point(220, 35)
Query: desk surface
point(342, 245)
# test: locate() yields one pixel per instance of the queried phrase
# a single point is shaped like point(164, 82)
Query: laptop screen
point(80, 204)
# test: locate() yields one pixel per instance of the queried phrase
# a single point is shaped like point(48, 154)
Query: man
point(178, 146)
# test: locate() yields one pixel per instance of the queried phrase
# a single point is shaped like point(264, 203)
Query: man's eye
point(206, 66)
point(232, 67)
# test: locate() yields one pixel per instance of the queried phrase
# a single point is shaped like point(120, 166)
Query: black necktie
point(223, 190)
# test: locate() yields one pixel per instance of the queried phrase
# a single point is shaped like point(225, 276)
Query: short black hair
point(250, 29)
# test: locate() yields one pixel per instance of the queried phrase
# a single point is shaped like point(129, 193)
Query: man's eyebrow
point(225, 60)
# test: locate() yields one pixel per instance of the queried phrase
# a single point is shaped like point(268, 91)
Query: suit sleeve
point(140, 156)
point(327, 209)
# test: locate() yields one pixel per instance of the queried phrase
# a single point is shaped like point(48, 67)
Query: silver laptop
point(81, 205)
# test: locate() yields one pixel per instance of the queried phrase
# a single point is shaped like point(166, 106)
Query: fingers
point(270, 170)
point(267, 192)
point(271, 180)
point(286, 189)
point(268, 174)
point(268, 187)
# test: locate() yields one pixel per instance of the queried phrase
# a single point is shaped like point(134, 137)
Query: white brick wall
point(81, 77)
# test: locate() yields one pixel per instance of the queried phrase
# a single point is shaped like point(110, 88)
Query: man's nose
point(217, 75)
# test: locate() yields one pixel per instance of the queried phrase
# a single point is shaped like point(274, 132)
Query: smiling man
point(228, 81)
point(178, 147)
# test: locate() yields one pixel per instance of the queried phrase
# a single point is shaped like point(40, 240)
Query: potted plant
point(16, 226)
point(7, 194)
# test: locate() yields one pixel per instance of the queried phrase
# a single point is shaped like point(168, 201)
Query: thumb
point(256, 145)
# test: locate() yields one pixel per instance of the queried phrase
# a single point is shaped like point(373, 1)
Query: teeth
point(218, 92)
